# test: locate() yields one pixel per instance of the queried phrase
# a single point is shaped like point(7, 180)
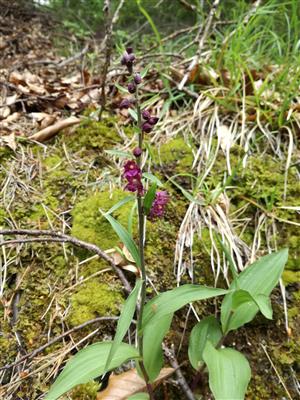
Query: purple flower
point(146, 115)
point(131, 165)
point(146, 127)
point(153, 120)
point(131, 87)
point(132, 173)
point(137, 152)
point(125, 59)
point(137, 78)
point(131, 57)
point(128, 58)
point(158, 206)
point(125, 103)
point(135, 185)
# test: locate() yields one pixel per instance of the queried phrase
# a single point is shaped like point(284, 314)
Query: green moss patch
point(94, 299)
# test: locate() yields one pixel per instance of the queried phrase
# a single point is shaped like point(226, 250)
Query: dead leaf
point(4, 112)
point(131, 268)
point(38, 116)
point(50, 131)
point(9, 141)
point(225, 137)
point(127, 254)
point(122, 386)
point(3, 43)
point(11, 99)
point(115, 255)
point(48, 120)
point(16, 78)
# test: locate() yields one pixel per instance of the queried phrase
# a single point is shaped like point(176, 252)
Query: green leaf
point(149, 198)
point(133, 114)
point(258, 279)
point(243, 306)
point(119, 153)
point(139, 396)
point(172, 300)
point(152, 178)
point(231, 263)
point(121, 88)
point(229, 372)
point(264, 304)
point(124, 322)
point(186, 194)
point(149, 102)
point(153, 336)
point(207, 329)
point(88, 364)
point(124, 237)
point(145, 70)
point(120, 204)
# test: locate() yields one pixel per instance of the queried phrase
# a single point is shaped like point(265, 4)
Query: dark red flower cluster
point(128, 59)
point(159, 204)
point(149, 121)
point(132, 173)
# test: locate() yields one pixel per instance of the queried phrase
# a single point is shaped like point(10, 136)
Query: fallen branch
point(52, 236)
point(50, 131)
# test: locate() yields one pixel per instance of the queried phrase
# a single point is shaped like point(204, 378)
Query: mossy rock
point(93, 136)
point(94, 299)
point(175, 154)
point(91, 226)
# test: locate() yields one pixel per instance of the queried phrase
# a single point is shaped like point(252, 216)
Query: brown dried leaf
point(127, 254)
point(122, 386)
point(9, 141)
point(116, 256)
point(48, 120)
point(131, 268)
point(16, 78)
point(4, 112)
point(50, 131)
point(3, 43)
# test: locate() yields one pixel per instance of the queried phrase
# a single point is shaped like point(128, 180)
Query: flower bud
point(137, 78)
point(153, 120)
point(125, 59)
point(137, 152)
point(129, 50)
point(125, 103)
point(146, 115)
point(146, 127)
point(131, 57)
point(131, 87)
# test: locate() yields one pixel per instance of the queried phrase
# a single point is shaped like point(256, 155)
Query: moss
point(92, 135)
point(175, 154)
point(86, 391)
point(260, 186)
point(91, 226)
point(289, 277)
point(93, 299)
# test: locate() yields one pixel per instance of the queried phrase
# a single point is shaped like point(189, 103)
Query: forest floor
point(56, 172)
